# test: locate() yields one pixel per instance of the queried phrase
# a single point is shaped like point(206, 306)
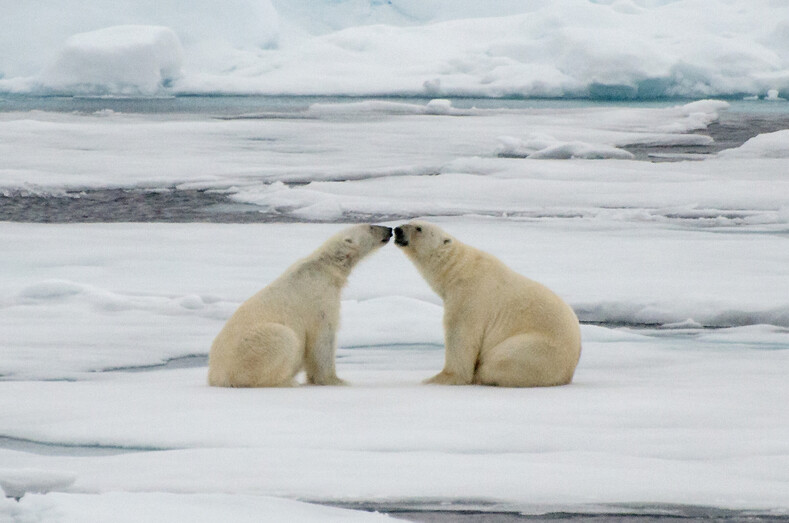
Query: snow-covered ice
point(624, 49)
point(683, 415)
point(329, 142)
point(767, 145)
point(16, 483)
point(545, 147)
point(122, 59)
point(370, 159)
point(679, 271)
point(110, 290)
point(156, 507)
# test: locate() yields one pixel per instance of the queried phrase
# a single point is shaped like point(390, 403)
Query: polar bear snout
point(400, 238)
point(384, 232)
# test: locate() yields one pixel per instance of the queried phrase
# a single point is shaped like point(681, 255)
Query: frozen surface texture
point(628, 49)
point(679, 271)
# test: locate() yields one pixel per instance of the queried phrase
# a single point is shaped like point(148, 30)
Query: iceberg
point(624, 49)
point(129, 59)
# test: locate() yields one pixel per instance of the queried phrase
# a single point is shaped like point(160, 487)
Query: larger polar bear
point(500, 328)
point(291, 324)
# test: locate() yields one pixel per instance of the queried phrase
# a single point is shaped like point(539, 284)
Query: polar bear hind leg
point(525, 360)
point(270, 355)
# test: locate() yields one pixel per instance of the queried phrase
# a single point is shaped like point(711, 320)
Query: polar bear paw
point(330, 380)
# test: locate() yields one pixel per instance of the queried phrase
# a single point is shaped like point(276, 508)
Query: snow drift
point(127, 59)
point(625, 49)
point(767, 145)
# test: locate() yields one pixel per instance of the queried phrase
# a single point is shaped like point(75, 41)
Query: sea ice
point(107, 302)
point(154, 507)
point(18, 482)
point(679, 272)
point(129, 59)
point(649, 417)
point(767, 145)
point(546, 147)
point(341, 142)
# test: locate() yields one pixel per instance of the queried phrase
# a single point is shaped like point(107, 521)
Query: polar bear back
point(505, 303)
point(299, 299)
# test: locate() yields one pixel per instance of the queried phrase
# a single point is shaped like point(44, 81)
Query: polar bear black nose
point(400, 237)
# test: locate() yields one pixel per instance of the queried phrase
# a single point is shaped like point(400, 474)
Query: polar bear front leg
point(461, 350)
point(319, 361)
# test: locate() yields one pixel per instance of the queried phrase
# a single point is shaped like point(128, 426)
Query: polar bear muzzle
point(385, 232)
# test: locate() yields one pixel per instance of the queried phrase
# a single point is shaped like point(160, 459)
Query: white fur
point(291, 324)
point(500, 328)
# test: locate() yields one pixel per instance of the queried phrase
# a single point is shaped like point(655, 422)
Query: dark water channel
point(481, 511)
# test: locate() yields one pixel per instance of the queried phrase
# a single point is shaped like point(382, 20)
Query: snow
point(18, 482)
point(125, 59)
point(547, 147)
point(712, 193)
point(767, 145)
point(332, 142)
point(628, 49)
point(124, 507)
point(647, 419)
point(678, 270)
point(33, 34)
point(627, 422)
point(103, 291)
point(378, 107)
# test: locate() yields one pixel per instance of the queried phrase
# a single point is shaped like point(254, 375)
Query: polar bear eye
point(419, 229)
point(348, 240)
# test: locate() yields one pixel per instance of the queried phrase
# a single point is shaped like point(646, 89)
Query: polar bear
point(291, 324)
point(500, 328)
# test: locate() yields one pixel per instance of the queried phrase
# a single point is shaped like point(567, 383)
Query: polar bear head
point(422, 241)
point(349, 246)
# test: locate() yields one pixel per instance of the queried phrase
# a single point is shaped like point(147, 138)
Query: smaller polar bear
point(291, 324)
point(500, 328)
